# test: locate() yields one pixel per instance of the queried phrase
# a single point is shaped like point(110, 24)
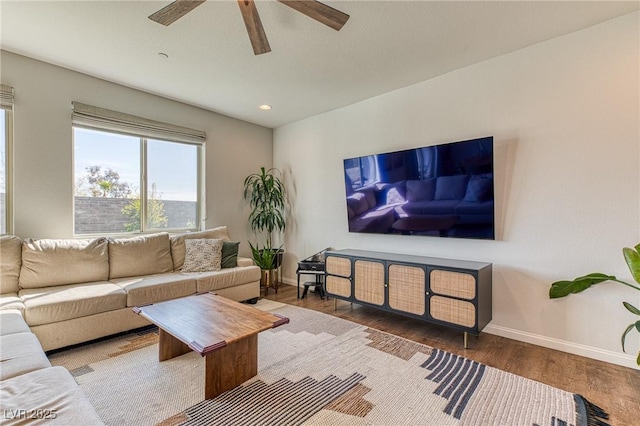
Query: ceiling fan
point(313, 9)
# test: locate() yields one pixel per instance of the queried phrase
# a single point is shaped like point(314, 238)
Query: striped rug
point(317, 370)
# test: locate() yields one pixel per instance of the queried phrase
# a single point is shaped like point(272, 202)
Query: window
point(133, 183)
point(361, 171)
point(6, 140)
point(427, 160)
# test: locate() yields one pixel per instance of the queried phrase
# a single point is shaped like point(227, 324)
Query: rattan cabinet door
point(336, 265)
point(453, 297)
point(451, 283)
point(369, 282)
point(453, 311)
point(338, 286)
point(407, 289)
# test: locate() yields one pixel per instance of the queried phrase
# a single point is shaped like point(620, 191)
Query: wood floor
point(615, 389)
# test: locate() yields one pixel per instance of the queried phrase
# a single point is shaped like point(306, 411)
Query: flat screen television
point(442, 190)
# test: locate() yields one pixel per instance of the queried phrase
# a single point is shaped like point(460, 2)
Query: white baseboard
point(289, 281)
point(564, 346)
point(624, 360)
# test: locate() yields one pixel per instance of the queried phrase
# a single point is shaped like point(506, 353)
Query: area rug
point(316, 370)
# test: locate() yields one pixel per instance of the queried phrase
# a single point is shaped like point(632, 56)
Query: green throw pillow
point(230, 254)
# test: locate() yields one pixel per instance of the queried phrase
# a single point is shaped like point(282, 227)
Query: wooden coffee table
point(221, 330)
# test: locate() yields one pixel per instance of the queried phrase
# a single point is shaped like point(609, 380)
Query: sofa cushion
point(350, 212)
point(451, 187)
point(230, 254)
point(446, 207)
point(11, 301)
point(479, 188)
point(21, 353)
point(141, 255)
point(156, 288)
point(378, 220)
point(245, 261)
point(211, 281)
point(474, 208)
point(10, 262)
point(370, 196)
point(54, 304)
point(178, 247)
point(11, 321)
point(357, 203)
point(47, 263)
point(202, 255)
point(54, 391)
point(421, 190)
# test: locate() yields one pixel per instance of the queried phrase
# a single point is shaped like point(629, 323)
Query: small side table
point(319, 282)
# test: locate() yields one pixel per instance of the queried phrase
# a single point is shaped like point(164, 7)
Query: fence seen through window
point(128, 184)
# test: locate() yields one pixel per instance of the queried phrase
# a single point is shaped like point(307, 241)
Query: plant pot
point(277, 259)
point(267, 280)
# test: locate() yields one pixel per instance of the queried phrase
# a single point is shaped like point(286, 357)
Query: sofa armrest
point(245, 261)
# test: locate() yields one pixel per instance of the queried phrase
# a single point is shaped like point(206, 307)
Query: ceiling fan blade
point(255, 30)
point(174, 11)
point(319, 11)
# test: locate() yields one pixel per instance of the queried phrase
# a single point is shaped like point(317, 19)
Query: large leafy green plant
point(266, 194)
point(632, 257)
point(263, 258)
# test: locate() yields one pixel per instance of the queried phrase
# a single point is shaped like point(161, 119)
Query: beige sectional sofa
point(56, 293)
point(72, 291)
point(31, 390)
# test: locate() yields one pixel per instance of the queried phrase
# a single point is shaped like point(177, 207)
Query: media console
point(455, 293)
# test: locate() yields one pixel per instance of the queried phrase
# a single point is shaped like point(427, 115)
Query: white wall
point(565, 117)
point(43, 162)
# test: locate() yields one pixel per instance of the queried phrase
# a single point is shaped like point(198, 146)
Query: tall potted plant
point(266, 195)
point(632, 257)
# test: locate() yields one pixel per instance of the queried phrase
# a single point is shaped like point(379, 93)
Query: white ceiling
point(384, 46)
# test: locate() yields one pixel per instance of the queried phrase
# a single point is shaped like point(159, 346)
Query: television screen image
point(442, 190)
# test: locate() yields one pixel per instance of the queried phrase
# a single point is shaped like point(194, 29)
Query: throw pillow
point(479, 189)
point(177, 242)
point(395, 193)
point(202, 255)
point(421, 190)
point(451, 187)
point(230, 254)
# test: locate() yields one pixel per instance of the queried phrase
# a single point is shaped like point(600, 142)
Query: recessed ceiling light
point(163, 55)
point(265, 107)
